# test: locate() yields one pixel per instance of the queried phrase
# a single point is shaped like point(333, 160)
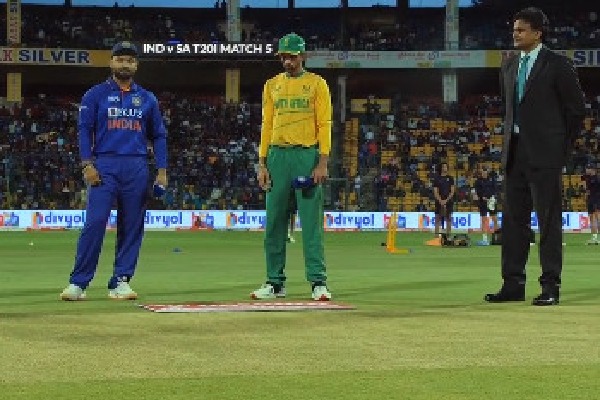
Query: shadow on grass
point(399, 287)
point(27, 292)
point(580, 296)
point(244, 291)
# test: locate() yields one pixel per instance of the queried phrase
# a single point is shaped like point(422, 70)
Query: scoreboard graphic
point(225, 50)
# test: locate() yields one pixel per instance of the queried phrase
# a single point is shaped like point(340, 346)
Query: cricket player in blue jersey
point(116, 120)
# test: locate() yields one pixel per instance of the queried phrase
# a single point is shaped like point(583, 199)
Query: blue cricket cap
point(125, 49)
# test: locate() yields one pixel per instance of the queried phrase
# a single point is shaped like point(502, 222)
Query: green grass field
point(421, 329)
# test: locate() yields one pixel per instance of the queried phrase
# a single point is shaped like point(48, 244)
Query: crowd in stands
point(213, 152)
point(213, 144)
point(567, 31)
point(401, 153)
point(101, 27)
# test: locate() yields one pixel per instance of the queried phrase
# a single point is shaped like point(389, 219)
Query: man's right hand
point(264, 179)
point(90, 175)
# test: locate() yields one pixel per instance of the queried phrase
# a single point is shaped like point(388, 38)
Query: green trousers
point(284, 164)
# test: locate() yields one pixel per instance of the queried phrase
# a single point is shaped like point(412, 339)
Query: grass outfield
point(421, 330)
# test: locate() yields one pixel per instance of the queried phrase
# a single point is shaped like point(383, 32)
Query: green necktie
point(522, 77)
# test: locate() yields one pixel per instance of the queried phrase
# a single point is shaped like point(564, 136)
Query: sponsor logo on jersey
point(124, 119)
point(116, 112)
point(124, 124)
point(292, 103)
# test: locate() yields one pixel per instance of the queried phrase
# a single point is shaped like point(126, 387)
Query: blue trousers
point(124, 183)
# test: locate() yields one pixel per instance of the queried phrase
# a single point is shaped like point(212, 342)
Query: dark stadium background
point(485, 26)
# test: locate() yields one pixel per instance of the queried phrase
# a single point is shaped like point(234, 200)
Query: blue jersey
point(117, 122)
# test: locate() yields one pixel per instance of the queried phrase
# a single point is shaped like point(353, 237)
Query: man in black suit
point(543, 114)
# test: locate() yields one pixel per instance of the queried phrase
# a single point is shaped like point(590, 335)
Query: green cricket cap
point(291, 44)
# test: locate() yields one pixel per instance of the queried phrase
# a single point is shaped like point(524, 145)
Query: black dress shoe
point(505, 295)
point(547, 298)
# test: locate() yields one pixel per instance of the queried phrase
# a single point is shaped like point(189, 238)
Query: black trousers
point(528, 188)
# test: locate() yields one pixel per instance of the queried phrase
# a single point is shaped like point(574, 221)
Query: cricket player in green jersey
point(294, 147)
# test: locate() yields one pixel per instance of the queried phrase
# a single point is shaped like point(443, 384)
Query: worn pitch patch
point(253, 306)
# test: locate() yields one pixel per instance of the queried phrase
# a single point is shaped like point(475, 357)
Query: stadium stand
point(408, 145)
point(212, 148)
point(359, 29)
point(387, 158)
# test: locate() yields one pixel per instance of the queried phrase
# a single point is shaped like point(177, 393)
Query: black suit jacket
point(551, 112)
